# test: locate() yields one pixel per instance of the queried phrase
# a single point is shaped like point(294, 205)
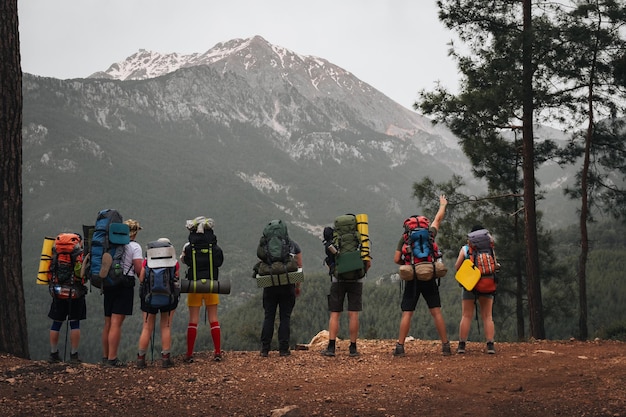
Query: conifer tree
point(13, 334)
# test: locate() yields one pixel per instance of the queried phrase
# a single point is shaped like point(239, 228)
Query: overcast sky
point(397, 46)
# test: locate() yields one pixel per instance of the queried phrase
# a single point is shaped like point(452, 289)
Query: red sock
point(192, 331)
point(216, 334)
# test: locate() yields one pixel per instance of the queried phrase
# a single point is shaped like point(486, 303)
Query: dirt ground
point(543, 378)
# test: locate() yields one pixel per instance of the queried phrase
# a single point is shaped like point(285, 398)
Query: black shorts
point(75, 309)
point(118, 300)
point(152, 310)
point(338, 292)
point(412, 290)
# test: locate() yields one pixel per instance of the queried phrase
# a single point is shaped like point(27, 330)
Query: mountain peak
point(145, 64)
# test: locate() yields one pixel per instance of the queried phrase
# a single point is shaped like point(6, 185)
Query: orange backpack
point(64, 275)
point(480, 251)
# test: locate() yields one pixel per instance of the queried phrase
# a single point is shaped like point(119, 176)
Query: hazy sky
point(397, 46)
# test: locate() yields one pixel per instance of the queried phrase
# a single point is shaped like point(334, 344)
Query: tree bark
point(535, 307)
point(13, 331)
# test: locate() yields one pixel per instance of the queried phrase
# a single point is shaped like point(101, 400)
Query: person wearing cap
point(207, 263)
point(118, 300)
point(149, 316)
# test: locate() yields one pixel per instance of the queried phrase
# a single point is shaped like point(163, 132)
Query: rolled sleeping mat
point(45, 260)
point(363, 228)
point(205, 286)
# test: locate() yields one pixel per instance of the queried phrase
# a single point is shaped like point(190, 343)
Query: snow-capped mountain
point(262, 63)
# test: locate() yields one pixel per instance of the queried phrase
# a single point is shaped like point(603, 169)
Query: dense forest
point(241, 312)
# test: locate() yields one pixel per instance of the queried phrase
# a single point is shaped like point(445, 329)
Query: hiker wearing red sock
point(203, 257)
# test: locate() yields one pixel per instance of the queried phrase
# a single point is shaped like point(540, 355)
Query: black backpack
point(203, 256)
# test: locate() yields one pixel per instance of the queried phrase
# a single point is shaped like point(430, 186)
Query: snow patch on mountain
point(262, 182)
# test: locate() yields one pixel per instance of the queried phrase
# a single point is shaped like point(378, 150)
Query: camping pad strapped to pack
point(467, 275)
point(423, 271)
point(205, 286)
point(263, 281)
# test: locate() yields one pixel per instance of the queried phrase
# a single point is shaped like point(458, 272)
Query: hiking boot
point(115, 363)
point(328, 352)
point(54, 357)
point(104, 361)
point(399, 350)
point(445, 349)
point(74, 359)
point(461, 348)
point(265, 353)
point(285, 353)
point(217, 357)
point(141, 362)
point(354, 353)
point(490, 348)
point(166, 361)
point(188, 359)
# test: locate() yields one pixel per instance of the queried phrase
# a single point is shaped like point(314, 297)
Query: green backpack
point(347, 240)
point(274, 245)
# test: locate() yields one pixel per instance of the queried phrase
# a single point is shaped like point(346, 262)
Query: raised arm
point(443, 202)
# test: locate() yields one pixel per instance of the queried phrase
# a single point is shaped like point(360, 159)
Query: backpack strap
point(194, 263)
point(211, 261)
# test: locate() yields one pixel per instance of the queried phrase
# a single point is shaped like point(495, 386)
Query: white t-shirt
point(131, 251)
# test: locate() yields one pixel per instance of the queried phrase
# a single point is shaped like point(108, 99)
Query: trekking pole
point(67, 330)
point(67, 324)
point(476, 310)
point(152, 338)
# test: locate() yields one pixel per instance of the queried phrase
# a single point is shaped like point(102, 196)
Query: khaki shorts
point(195, 299)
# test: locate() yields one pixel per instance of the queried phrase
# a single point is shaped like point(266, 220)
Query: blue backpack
point(106, 249)
point(159, 284)
point(418, 243)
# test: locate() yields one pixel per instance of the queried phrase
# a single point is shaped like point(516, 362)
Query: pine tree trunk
point(13, 331)
point(535, 307)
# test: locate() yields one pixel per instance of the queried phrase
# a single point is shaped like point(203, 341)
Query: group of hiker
point(111, 259)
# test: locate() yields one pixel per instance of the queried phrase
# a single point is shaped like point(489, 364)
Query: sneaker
point(285, 353)
point(166, 361)
point(264, 353)
point(115, 363)
point(490, 348)
point(141, 362)
point(54, 357)
point(217, 357)
point(328, 352)
point(104, 361)
point(188, 359)
point(74, 359)
point(461, 348)
point(445, 349)
point(354, 353)
point(399, 350)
